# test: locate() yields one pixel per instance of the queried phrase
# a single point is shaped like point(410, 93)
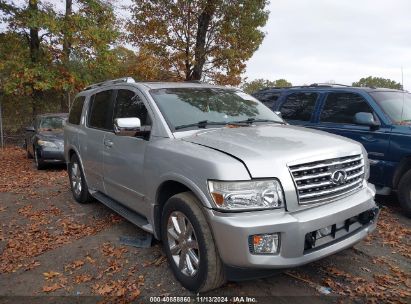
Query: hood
point(266, 148)
point(52, 135)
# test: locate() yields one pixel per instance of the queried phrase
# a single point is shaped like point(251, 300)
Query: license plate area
point(329, 235)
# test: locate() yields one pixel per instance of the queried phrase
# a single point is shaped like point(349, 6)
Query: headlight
point(366, 164)
point(258, 194)
point(45, 143)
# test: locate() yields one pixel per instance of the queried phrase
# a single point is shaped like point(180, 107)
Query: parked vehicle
point(218, 177)
point(44, 140)
point(380, 119)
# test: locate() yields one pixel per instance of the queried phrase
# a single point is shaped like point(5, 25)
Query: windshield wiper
point(205, 123)
point(201, 124)
point(253, 120)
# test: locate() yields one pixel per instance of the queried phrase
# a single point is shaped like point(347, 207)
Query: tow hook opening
point(326, 235)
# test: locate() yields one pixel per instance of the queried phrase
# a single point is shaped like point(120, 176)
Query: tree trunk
point(34, 42)
point(34, 34)
point(200, 52)
point(67, 45)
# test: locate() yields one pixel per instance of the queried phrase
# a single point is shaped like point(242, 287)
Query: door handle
point(108, 143)
point(368, 138)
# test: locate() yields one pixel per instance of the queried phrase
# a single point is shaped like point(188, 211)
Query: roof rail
point(113, 81)
point(328, 85)
point(194, 81)
point(313, 85)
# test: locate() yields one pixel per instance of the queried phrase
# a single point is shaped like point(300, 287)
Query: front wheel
point(27, 150)
point(77, 181)
point(404, 193)
point(189, 244)
point(40, 165)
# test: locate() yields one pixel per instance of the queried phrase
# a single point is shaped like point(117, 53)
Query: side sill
point(132, 216)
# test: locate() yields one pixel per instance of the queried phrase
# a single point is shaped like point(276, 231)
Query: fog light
point(265, 243)
point(324, 231)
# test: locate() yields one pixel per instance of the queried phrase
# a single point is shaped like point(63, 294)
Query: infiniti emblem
point(339, 177)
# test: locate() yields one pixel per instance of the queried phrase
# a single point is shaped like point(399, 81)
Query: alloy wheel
point(76, 179)
point(36, 158)
point(183, 244)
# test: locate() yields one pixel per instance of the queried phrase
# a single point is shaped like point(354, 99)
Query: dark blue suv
point(380, 119)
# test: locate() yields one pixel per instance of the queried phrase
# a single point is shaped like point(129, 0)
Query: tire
point(40, 165)
point(29, 156)
point(209, 273)
point(404, 193)
point(78, 183)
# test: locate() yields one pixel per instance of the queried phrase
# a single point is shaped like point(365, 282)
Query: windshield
point(183, 107)
point(396, 105)
point(51, 123)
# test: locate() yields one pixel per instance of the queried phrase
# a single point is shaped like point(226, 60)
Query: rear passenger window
point(76, 109)
point(342, 107)
point(101, 111)
point(129, 104)
point(299, 106)
point(268, 98)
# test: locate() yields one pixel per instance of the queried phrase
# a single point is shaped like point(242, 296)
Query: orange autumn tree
point(199, 39)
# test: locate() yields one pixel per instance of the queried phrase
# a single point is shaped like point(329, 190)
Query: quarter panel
point(190, 164)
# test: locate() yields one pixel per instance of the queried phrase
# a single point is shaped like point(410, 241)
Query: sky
point(313, 41)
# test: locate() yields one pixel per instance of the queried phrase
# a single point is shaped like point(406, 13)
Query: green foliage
point(30, 69)
point(377, 82)
point(47, 55)
point(200, 39)
point(259, 84)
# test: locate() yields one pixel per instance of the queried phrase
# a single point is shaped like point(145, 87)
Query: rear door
point(99, 123)
point(298, 108)
point(124, 178)
point(337, 116)
point(269, 98)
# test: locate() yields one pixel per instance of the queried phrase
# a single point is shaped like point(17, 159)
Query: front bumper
point(51, 155)
point(232, 231)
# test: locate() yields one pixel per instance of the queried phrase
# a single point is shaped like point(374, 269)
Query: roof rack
point(113, 81)
point(331, 85)
point(194, 81)
point(313, 85)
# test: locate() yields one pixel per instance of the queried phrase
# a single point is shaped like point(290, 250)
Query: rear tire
point(404, 193)
point(78, 183)
point(202, 268)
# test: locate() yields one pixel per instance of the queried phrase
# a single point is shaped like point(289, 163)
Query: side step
point(125, 212)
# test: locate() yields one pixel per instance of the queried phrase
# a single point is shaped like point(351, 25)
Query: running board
point(125, 212)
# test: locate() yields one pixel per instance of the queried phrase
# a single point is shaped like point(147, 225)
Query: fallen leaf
point(82, 278)
point(51, 288)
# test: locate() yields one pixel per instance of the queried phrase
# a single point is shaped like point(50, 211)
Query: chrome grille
point(316, 181)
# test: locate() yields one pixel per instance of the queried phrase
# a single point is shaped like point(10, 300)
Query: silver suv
point(223, 181)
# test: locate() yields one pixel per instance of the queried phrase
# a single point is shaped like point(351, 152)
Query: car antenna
point(403, 94)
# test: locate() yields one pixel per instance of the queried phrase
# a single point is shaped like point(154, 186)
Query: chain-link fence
point(16, 114)
point(1, 128)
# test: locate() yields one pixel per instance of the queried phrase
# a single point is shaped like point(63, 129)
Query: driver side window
point(129, 104)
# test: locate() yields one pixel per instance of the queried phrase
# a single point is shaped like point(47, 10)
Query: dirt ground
point(51, 246)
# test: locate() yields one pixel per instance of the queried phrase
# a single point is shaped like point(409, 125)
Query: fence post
point(1, 126)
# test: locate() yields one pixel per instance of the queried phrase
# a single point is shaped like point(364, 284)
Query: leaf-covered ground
point(50, 245)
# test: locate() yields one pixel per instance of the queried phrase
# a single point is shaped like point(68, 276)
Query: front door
point(337, 116)
point(124, 155)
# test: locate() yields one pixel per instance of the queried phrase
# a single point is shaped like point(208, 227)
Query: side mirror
point(127, 126)
point(278, 113)
point(30, 129)
point(366, 119)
